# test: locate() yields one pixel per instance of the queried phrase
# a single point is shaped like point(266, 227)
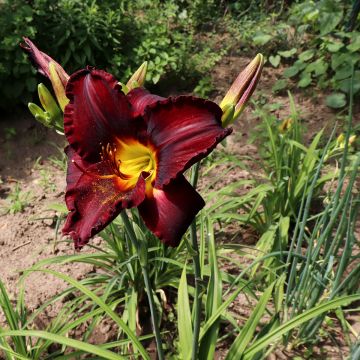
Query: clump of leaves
point(325, 52)
point(17, 200)
point(112, 36)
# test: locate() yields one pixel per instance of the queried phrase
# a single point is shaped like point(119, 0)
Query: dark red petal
point(169, 212)
point(140, 98)
point(73, 172)
point(184, 130)
point(41, 61)
point(94, 202)
point(97, 112)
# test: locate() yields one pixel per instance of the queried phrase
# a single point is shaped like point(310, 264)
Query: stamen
point(150, 172)
point(97, 176)
point(130, 161)
point(108, 153)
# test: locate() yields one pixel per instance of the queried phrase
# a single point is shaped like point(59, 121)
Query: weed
point(46, 179)
point(10, 133)
point(60, 159)
point(17, 200)
point(204, 87)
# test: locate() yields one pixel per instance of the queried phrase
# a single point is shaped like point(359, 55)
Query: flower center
point(129, 158)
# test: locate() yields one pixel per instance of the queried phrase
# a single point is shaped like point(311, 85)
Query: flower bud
point(138, 78)
point(35, 109)
point(39, 114)
point(285, 125)
point(58, 86)
point(41, 61)
point(49, 104)
point(340, 140)
point(228, 115)
point(243, 87)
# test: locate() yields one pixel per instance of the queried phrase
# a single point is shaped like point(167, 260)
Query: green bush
point(17, 78)
point(115, 35)
point(318, 40)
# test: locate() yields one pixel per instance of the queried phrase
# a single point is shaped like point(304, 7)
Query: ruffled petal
point(74, 173)
point(140, 98)
point(184, 130)
point(168, 212)
point(98, 111)
point(41, 61)
point(95, 200)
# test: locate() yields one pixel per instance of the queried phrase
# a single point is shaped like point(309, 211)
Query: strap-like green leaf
point(243, 339)
point(274, 335)
point(136, 343)
point(184, 318)
point(76, 344)
point(214, 295)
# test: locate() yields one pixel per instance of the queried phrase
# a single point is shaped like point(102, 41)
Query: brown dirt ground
point(29, 236)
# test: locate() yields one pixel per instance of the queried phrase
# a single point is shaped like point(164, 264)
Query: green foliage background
point(115, 35)
point(318, 41)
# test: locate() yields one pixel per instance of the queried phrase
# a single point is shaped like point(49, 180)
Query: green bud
point(39, 114)
point(243, 87)
point(58, 86)
point(124, 88)
point(50, 106)
point(228, 114)
point(138, 78)
point(35, 109)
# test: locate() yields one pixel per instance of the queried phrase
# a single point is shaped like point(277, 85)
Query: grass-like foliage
point(306, 273)
point(17, 200)
point(212, 291)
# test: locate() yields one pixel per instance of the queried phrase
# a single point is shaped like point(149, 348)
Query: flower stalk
point(197, 273)
point(144, 267)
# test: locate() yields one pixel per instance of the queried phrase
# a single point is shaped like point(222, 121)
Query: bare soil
point(26, 153)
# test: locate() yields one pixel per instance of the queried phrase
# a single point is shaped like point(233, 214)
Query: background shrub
point(115, 35)
point(318, 41)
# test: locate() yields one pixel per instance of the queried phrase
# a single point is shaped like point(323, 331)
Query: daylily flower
point(131, 150)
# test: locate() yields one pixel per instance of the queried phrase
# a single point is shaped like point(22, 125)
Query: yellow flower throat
point(129, 158)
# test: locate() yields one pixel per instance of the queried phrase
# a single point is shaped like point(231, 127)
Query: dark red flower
point(131, 150)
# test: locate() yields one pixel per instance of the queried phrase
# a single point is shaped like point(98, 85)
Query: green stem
point(129, 229)
point(154, 319)
point(143, 261)
point(197, 273)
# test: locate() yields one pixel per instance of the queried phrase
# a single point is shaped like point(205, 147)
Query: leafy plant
point(17, 200)
point(10, 133)
point(117, 36)
point(288, 168)
point(20, 339)
point(326, 55)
